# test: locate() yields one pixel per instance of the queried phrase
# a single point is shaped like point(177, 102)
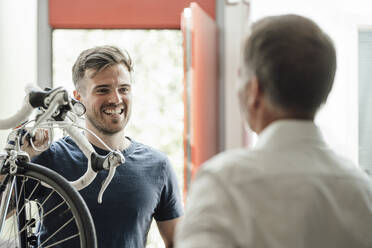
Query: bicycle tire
point(36, 178)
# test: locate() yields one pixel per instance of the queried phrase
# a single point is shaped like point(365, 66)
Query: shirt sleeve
point(43, 158)
point(207, 221)
point(170, 204)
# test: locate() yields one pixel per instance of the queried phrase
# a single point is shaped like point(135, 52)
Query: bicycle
point(35, 198)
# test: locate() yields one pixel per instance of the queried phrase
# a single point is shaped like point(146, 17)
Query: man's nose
point(115, 97)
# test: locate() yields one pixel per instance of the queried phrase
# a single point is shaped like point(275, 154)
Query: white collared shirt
point(290, 191)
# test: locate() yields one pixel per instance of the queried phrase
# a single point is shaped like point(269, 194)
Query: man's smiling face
point(107, 97)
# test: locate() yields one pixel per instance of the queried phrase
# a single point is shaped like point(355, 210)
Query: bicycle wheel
point(46, 211)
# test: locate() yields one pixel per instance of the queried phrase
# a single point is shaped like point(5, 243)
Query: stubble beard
point(97, 122)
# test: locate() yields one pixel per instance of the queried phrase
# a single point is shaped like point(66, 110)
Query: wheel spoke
point(63, 240)
point(20, 192)
point(46, 203)
point(59, 229)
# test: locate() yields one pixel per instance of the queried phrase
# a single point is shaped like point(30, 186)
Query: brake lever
point(113, 160)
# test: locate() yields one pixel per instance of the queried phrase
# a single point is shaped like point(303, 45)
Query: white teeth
point(113, 111)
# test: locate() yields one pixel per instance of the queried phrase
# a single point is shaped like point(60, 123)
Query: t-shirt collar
point(126, 151)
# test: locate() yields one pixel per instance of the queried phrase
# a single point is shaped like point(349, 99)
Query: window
point(365, 99)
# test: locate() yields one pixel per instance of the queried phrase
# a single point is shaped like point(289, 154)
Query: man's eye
point(124, 90)
point(102, 91)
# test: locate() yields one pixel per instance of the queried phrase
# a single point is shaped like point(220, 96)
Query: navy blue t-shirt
point(144, 187)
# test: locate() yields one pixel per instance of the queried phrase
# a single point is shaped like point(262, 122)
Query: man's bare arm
point(166, 229)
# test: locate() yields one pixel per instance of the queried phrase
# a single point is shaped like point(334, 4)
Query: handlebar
point(58, 105)
point(95, 162)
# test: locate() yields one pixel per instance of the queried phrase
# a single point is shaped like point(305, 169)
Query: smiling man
point(145, 186)
point(108, 117)
point(105, 90)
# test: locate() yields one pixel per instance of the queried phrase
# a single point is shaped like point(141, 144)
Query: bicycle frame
point(58, 109)
point(5, 200)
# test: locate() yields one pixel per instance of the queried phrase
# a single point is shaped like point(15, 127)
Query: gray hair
point(294, 62)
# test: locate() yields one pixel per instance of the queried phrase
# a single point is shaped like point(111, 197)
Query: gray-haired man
point(291, 190)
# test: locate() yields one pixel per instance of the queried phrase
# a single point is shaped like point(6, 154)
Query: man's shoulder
point(259, 165)
point(234, 162)
point(58, 148)
point(61, 156)
point(147, 150)
point(63, 144)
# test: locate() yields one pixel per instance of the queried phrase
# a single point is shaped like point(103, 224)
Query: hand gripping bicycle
point(39, 208)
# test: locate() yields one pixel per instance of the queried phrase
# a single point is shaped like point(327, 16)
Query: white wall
point(236, 21)
point(18, 54)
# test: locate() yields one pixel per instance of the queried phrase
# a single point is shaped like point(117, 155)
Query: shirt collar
point(285, 132)
point(126, 151)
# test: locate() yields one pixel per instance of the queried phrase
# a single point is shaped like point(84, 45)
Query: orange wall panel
point(136, 14)
point(205, 85)
point(200, 92)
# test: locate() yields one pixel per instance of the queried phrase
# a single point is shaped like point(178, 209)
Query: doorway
point(157, 115)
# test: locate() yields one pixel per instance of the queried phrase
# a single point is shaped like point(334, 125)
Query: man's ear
point(77, 95)
point(254, 94)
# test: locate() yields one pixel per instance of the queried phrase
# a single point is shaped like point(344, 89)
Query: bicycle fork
point(9, 185)
point(9, 182)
